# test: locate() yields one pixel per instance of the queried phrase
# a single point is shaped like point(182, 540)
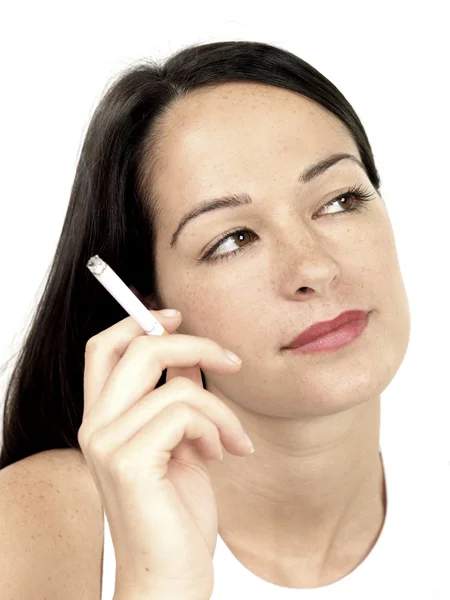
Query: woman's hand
point(147, 450)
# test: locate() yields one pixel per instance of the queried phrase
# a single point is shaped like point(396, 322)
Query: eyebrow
point(240, 199)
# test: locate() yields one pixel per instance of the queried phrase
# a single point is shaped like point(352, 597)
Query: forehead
point(221, 139)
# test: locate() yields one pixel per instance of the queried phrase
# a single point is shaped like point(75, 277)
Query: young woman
point(236, 184)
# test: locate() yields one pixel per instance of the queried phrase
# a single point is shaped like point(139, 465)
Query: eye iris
point(239, 234)
point(349, 200)
point(233, 237)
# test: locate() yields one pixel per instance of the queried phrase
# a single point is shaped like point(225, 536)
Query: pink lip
point(330, 335)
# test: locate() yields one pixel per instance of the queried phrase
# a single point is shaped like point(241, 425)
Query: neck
point(310, 487)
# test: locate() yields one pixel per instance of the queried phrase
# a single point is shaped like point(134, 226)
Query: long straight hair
point(112, 212)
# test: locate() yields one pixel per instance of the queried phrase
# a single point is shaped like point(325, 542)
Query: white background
point(389, 59)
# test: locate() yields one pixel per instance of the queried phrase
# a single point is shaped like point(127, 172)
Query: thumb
point(192, 373)
point(170, 323)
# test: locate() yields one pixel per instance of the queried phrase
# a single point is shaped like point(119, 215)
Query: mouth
point(331, 335)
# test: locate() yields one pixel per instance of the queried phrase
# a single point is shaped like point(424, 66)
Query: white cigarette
point(124, 296)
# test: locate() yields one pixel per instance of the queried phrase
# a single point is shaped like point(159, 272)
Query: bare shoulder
point(59, 476)
point(49, 461)
point(51, 527)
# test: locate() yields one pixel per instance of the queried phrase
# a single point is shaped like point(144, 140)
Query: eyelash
point(357, 192)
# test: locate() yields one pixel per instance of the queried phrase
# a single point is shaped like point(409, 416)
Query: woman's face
point(299, 262)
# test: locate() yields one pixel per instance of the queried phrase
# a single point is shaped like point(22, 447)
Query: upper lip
point(319, 329)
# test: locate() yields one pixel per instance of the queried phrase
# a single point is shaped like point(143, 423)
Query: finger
point(192, 373)
point(120, 431)
point(104, 350)
point(155, 442)
point(140, 368)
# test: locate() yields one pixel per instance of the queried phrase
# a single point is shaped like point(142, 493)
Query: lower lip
point(335, 339)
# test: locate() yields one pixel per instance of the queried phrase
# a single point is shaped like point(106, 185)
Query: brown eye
point(353, 201)
point(239, 238)
point(240, 234)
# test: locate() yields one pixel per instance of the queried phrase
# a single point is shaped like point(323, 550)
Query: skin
point(308, 506)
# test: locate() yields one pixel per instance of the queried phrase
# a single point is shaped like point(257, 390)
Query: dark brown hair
point(112, 212)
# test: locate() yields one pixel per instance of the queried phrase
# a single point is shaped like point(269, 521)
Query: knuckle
point(81, 436)
point(139, 342)
point(181, 409)
point(84, 435)
point(121, 467)
point(183, 384)
point(97, 447)
point(92, 344)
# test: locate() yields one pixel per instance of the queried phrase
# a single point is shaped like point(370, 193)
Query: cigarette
point(124, 296)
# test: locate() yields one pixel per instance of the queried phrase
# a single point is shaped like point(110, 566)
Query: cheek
point(200, 301)
point(214, 307)
point(383, 255)
point(384, 271)
point(375, 248)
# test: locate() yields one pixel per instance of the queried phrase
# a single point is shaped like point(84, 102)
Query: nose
point(304, 266)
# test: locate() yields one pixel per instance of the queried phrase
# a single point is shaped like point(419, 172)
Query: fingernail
point(232, 356)
point(169, 312)
point(249, 444)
